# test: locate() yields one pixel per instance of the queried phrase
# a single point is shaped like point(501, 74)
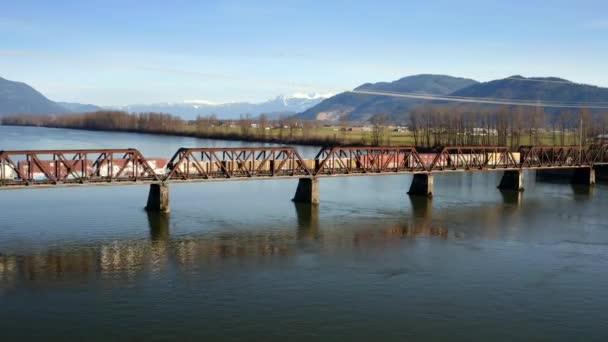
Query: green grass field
point(351, 137)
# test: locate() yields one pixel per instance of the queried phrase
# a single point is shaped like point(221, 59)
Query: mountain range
point(361, 107)
point(73, 107)
point(280, 105)
point(20, 98)
point(546, 89)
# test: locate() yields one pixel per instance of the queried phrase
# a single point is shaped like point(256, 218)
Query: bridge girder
point(47, 168)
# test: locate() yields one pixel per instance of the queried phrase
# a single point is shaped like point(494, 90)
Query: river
point(240, 261)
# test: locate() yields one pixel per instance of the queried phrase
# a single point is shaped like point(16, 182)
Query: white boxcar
point(7, 172)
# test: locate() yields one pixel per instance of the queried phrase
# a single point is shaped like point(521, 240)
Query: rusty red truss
point(52, 167)
point(598, 154)
point(361, 159)
point(123, 166)
point(558, 156)
point(240, 162)
point(474, 158)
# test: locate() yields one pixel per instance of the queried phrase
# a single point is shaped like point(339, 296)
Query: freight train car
point(7, 172)
point(78, 168)
point(107, 168)
point(36, 171)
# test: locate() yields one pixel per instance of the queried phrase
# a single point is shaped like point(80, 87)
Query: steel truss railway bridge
point(32, 169)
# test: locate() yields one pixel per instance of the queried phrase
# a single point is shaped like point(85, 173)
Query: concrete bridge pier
point(422, 185)
point(584, 176)
point(158, 198)
point(307, 191)
point(512, 180)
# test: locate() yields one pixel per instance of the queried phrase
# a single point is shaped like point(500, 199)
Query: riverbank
point(273, 139)
point(289, 132)
point(286, 132)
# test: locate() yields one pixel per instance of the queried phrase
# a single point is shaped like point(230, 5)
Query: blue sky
point(115, 52)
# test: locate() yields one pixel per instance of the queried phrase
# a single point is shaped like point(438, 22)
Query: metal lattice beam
point(128, 166)
point(71, 167)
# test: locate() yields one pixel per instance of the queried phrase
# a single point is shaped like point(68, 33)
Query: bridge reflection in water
point(159, 226)
point(308, 221)
point(129, 259)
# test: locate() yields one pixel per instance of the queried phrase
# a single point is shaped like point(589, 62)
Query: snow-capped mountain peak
point(190, 109)
point(201, 102)
point(309, 96)
point(301, 99)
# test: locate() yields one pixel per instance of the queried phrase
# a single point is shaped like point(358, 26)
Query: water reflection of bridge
point(128, 259)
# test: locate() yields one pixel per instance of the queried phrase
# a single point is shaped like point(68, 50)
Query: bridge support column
point(158, 198)
point(601, 172)
point(584, 176)
point(307, 191)
point(512, 181)
point(422, 185)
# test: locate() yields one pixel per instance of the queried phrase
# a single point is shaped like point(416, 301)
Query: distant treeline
point(289, 131)
point(103, 120)
point(461, 125)
point(427, 126)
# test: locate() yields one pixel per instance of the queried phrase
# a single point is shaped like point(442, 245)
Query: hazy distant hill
point(360, 107)
point(536, 89)
point(288, 105)
point(79, 107)
point(20, 98)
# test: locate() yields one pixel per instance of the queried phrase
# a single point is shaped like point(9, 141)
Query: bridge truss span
point(598, 154)
point(43, 168)
point(562, 156)
point(367, 160)
point(74, 167)
point(474, 158)
point(242, 162)
point(52, 168)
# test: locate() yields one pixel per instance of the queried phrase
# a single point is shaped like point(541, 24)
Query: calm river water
point(238, 260)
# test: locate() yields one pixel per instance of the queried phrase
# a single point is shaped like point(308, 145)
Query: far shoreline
point(268, 140)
